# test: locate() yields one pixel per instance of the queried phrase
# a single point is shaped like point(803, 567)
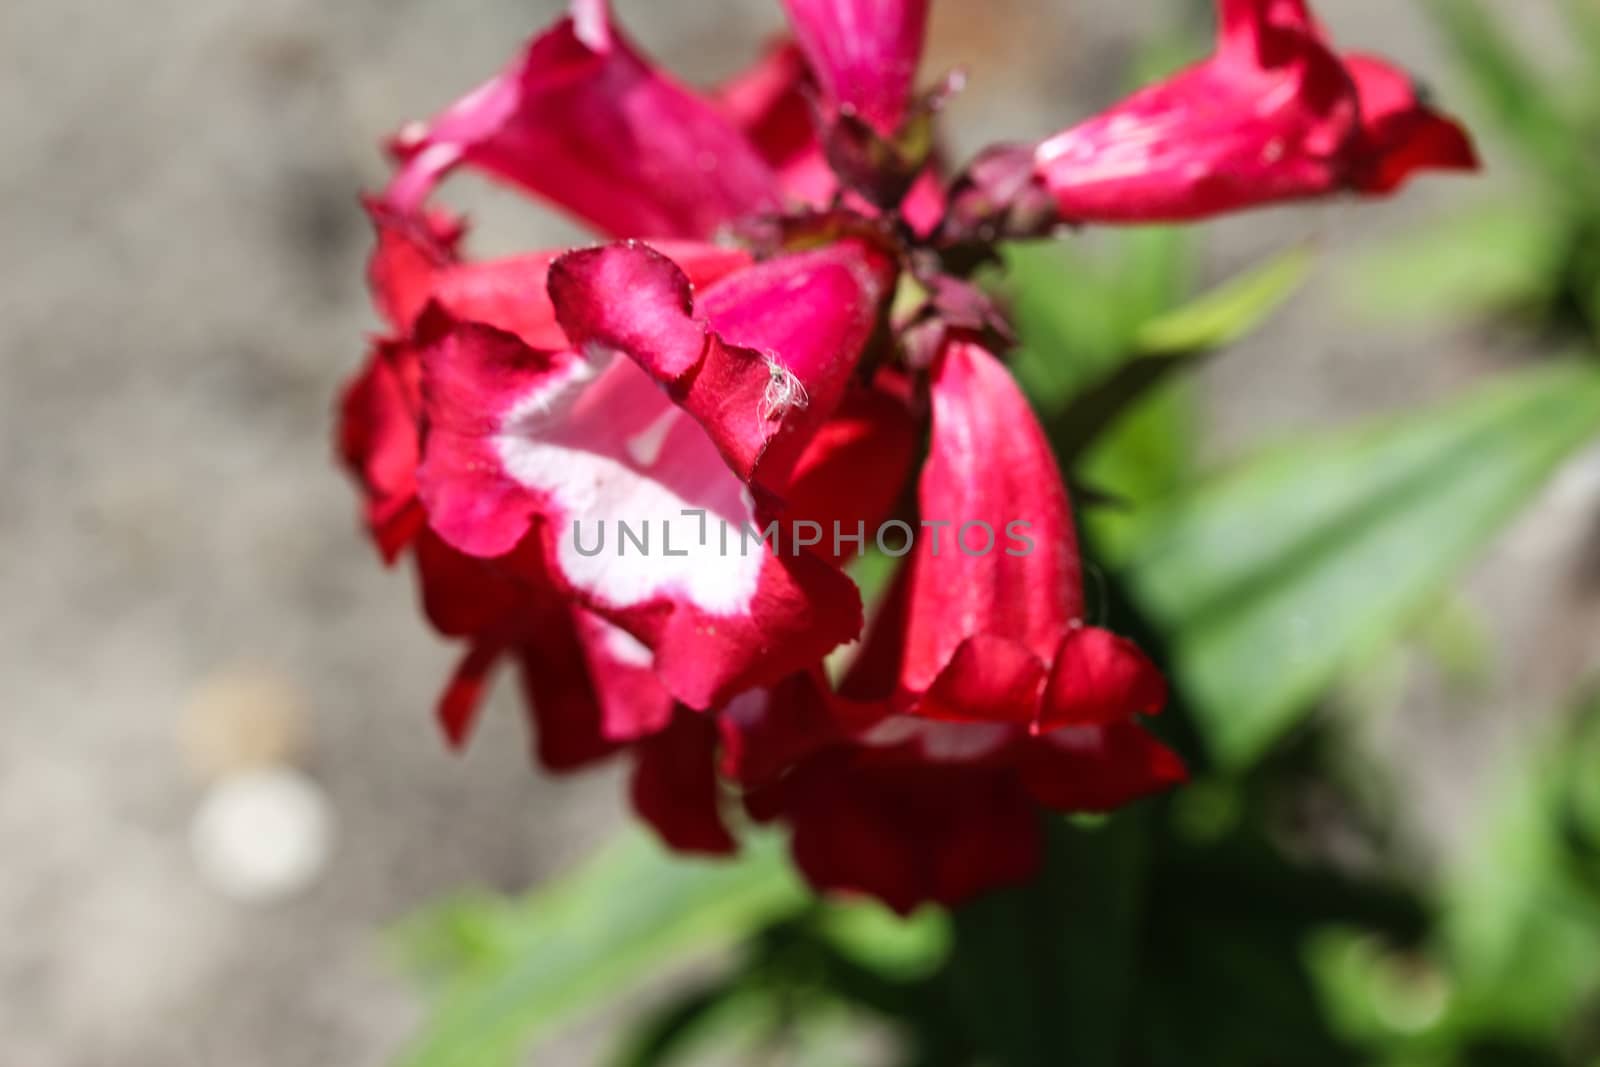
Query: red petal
point(1100, 679)
point(989, 463)
point(907, 835)
point(473, 379)
point(765, 732)
point(411, 267)
point(770, 103)
point(675, 786)
point(582, 119)
point(1098, 770)
point(559, 688)
point(1271, 116)
point(633, 704)
point(463, 596)
point(989, 679)
point(766, 361)
point(463, 696)
point(854, 472)
point(864, 52)
point(1274, 115)
point(378, 443)
point(1403, 135)
point(518, 438)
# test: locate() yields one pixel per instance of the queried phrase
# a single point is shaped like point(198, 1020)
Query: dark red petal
point(1100, 679)
point(463, 596)
point(907, 835)
point(463, 696)
point(1402, 135)
point(765, 732)
point(378, 444)
point(559, 690)
point(854, 472)
point(1100, 770)
point(675, 787)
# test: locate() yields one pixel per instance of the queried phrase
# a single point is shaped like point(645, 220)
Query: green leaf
point(526, 966)
point(1144, 457)
point(1078, 307)
point(1271, 579)
point(1225, 314)
point(900, 949)
point(1044, 974)
point(1523, 917)
point(1506, 257)
point(1516, 96)
point(1583, 17)
point(1152, 351)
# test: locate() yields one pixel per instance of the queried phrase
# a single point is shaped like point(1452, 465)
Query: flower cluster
point(778, 326)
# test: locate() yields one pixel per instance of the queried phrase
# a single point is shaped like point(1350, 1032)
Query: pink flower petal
point(412, 266)
point(1403, 135)
point(1004, 568)
point(520, 440)
point(771, 103)
point(865, 53)
point(761, 359)
point(584, 120)
point(1274, 115)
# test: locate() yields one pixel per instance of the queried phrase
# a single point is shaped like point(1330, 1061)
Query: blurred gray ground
point(181, 296)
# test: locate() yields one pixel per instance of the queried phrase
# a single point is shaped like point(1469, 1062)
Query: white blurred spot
point(263, 835)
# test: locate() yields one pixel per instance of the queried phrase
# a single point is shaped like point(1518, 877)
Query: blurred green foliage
point(1533, 256)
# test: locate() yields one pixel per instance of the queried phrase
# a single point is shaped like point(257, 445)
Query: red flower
point(570, 442)
point(1275, 114)
point(519, 418)
point(980, 693)
point(995, 628)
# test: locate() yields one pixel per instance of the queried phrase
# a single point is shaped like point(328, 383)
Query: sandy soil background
point(182, 295)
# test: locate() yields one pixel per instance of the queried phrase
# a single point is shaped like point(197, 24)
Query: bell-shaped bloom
point(1275, 114)
point(865, 54)
point(673, 415)
point(911, 810)
point(980, 694)
point(585, 121)
point(996, 629)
